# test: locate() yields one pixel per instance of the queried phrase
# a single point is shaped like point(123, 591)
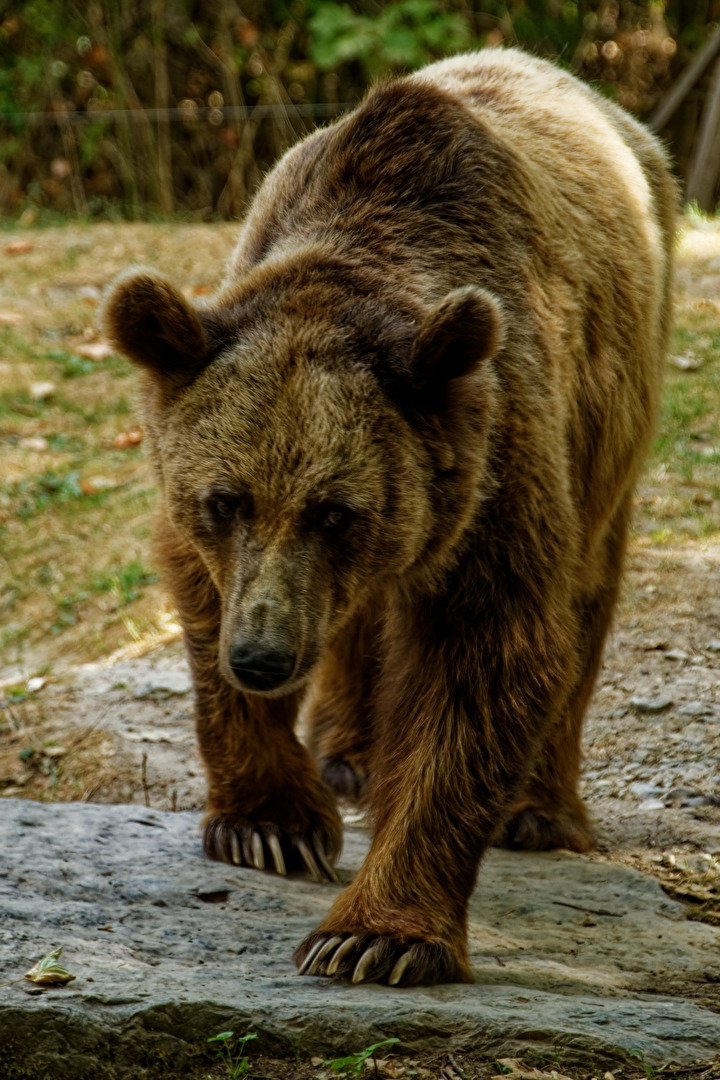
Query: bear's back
point(475, 161)
point(499, 170)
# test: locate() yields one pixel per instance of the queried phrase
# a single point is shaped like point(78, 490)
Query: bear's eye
point(335, 518)
point(222, 507)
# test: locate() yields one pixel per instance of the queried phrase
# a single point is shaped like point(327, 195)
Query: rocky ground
point(576, 963)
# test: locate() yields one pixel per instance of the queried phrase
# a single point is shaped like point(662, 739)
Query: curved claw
point(311, 956)
point(365, 964)
point(258, 851)
point(321, 954)
point(309, 860)
point(323, 859)
point(235, 852)
point(277, 855)
point(341, 952)
point(400, 968)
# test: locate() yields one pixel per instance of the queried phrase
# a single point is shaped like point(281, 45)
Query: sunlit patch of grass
point(66, 444)
point(14, 344)
point(50, 490)
point(75, 510)
point(20, 403)
point(126, 581)
point(686, 452)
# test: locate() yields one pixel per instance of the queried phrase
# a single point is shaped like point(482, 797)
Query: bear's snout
point(260, 669)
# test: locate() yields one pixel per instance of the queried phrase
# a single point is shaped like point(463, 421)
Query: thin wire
point(198, 112)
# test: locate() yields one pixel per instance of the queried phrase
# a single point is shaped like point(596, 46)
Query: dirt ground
point(118, 727)
point(453, 1067)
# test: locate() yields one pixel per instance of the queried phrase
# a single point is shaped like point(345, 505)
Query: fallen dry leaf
point(516, 1070)
point(93, 484)
point(125, 439)
point(95, 350)
point(687, 362)
point(18, 247)
point(41, 390)
point(394, 1072)
point(34, 442)
point(48, 972)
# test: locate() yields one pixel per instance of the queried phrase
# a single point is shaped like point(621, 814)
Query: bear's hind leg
point(340, 720)
point(551, 813)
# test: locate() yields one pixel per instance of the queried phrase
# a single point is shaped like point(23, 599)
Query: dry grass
point(44, 757)
point(680, 498)
point(76, 509)
point(35, 765)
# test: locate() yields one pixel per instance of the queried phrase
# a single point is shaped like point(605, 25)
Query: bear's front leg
point(461, 711)
point(267, 807)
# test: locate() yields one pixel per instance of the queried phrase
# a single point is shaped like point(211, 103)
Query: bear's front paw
point(369, 957)
point(262, 845)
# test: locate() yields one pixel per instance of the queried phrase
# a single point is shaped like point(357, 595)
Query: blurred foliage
point(403, 35)
point(274, 58)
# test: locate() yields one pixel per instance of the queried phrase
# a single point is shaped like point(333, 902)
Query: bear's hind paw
point(266, 846)
point(533, 830)
point(347, 780)
point(368, 957)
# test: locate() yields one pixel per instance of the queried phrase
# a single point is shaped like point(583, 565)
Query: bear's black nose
point(261, 669)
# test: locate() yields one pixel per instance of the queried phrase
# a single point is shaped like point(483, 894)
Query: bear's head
point(312, 448)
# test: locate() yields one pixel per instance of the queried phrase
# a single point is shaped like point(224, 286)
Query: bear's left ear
point(152, 323)
point(457, 334)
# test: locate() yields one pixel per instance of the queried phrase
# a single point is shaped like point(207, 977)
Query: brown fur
point(396, 454)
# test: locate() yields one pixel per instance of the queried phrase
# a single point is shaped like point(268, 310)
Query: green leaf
point(355, 1062)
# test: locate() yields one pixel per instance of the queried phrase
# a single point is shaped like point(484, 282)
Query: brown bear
point(396, 455)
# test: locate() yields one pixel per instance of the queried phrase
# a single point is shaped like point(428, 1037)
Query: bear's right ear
point(152, 323)
point(462, 330)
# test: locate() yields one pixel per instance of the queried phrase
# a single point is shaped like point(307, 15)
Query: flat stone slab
point(573, 959)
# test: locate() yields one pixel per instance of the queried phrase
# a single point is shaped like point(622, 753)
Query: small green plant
point(354, 1063)
point(650, 1071)
point(34, 495)
point(126, 582)
point(70, 363)
point(231, 1052)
